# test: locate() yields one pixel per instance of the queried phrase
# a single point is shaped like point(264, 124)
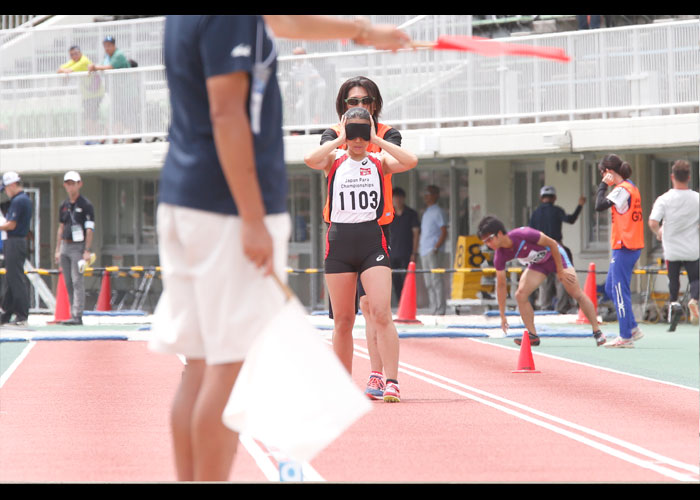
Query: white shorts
point(215, 301)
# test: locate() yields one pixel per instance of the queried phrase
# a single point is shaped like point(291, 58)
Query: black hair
point(433, 189)
point(365, 83)
point(74, 47)
point(398, 192)
point(490, 225)
point(615, 163)
point(357, 113)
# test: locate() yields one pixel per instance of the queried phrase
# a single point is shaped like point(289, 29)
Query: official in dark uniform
point(16, 225)
point(74, 243)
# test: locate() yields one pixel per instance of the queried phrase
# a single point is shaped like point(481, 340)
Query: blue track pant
point(617, 287)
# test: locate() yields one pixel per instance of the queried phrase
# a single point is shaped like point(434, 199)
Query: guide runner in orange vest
point(626, 240)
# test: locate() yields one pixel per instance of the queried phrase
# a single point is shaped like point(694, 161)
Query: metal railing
point(616, 72)
point(42, 49)
point(84, 107)
point(11, 21)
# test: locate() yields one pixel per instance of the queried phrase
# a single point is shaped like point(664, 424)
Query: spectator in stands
point(678, 209)
point(122, 91)
point(548, 218)
point(588, 22)
point(77, 62)
point(91, 88)
point(114, 58)
point(15, 296)
point(433, 233)
point(74, 242)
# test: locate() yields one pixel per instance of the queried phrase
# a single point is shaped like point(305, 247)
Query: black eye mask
point(355, 130)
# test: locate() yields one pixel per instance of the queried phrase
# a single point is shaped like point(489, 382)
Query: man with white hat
point(16, 224)
point(76, 217)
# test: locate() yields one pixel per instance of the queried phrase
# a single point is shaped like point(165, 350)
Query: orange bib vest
point(628, 228)
point(388, 214)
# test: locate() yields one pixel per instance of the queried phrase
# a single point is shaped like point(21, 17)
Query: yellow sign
point(466, 285)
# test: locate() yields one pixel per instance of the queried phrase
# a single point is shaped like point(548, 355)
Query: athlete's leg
point(529, 281)
point(572, 287)
point(673, 268)
point(377, 284)
point(341, 290)
point(375, 360)
point(213, 443)
point(181, 418)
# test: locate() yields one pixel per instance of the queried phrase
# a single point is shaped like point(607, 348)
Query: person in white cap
point(15, 223)
point(76, 227)
point(549, 218)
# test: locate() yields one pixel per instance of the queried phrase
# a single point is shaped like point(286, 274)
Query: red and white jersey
point(355, 189)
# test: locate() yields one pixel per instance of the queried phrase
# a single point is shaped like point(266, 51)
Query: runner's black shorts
point(354, 248)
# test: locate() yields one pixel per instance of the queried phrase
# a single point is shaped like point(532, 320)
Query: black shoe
point(72, 321)
point(534, 339)
point(17, 322)
point(599, 338)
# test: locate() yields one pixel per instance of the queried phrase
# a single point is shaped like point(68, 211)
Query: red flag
point(492, 48)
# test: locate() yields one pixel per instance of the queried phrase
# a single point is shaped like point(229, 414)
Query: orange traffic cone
point(407, 303)
point(104, 300)
point(525, 362)
point(62, 311)
point(590, 290)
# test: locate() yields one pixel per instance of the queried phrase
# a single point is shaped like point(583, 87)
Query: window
point(299, 205)
point(129, 217)
point(147, 212)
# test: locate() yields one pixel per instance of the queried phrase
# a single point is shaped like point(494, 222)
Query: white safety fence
point(43, 49)
point(83, 107)
point(616, 72)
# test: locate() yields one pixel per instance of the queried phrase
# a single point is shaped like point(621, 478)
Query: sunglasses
point(356, 101)
point(489, 238)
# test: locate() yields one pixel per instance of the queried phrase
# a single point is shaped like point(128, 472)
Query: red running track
point(97, 411)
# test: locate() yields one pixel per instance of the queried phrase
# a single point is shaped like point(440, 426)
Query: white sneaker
point(621, 343)
point(693, 308)
point(636, 333)
point(391, 393)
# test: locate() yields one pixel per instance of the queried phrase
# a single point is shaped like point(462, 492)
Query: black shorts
point(360, 288)
point(354, 248)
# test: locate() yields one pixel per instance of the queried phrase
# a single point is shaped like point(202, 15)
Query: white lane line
point(433, 378)
point(264, 459)
point(18, 360)
point(261, 458)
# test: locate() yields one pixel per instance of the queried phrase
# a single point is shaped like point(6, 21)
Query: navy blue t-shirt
point(20, 211)
point(199, 47)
